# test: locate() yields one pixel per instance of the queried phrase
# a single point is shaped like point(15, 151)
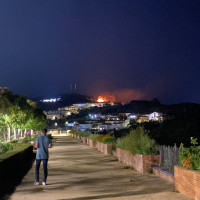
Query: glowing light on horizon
point(100, 99)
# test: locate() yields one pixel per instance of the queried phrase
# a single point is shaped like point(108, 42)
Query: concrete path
point(77, 172)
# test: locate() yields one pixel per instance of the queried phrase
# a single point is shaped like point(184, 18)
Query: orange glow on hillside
point(101, 99)
point(123, 96)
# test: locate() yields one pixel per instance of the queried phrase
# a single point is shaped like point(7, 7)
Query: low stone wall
point(79, 137)
point(84, 140)
point(108, 149)
point(100, 146)
point(187, 182)
point(92, 143)
point(104, 148)
point(114, 153)
point(164, 174)
point(141, 163)
point(125, 157)
point(150, 161)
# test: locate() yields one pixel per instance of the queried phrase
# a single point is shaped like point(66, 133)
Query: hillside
point(183, 125)
point(66, 100)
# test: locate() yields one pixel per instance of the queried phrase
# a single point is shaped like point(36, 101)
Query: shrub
point(119, 143)
point(138, 142)
point(24, 139)
point(100, 138)
point(106, 139)
point(16, 149)
point(2, 139)
point(84, 134)
point(34, 137)
point(28, 138)
point(190, 157)
point(109, 141)
point(93, 137)
point(73, 132)
point(80, 133)
point(4, 147)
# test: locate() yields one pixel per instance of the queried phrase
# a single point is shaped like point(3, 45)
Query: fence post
point(169, 156)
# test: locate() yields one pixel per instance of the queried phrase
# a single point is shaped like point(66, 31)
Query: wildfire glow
point(100, 99)
point(123, 96)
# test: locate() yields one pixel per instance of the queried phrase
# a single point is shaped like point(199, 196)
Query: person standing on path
point(42, 144)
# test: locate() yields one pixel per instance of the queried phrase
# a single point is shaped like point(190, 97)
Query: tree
point(17, 112)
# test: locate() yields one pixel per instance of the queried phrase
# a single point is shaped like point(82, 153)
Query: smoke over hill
point(124, 95)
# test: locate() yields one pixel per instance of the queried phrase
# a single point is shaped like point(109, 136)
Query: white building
point(96, 116)
point(106, 127)
point(70, 124)
point(126, 123)
point(112, 117)
point(84, 127)
point(117, 126)
point(56, 114)
point(132, 116)
point(155, 116)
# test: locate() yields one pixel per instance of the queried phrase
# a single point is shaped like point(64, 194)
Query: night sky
point(150, 48)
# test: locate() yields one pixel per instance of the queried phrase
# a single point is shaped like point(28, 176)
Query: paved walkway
point(77, 172)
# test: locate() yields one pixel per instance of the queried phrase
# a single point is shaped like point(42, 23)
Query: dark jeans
point(38, 161)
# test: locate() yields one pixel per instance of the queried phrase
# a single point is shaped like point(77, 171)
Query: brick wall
point(150, 161)
point(187, 182)
point(138, 163)
point(164, 175)
point(104, 148)
point(108, 149)
point(79, 137)
point(141, 163)
point(84, 139)
point(92, 143)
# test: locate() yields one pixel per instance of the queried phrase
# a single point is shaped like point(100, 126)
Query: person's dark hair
point(44, 130)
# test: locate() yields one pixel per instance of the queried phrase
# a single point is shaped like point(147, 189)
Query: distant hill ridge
point(183, 110)
point(66, 100)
